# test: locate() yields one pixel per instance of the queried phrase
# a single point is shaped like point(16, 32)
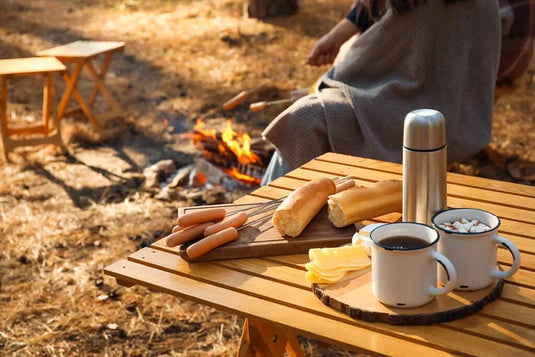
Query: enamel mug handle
point(499, 274)
point(450, 271)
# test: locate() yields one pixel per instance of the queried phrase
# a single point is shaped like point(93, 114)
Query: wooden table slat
point(496, 329)
point(527, 261)
point(515, 214)
point(519, 295)
point(525, 245)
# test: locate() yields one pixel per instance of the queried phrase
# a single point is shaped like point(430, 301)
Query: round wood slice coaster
point(353, 296)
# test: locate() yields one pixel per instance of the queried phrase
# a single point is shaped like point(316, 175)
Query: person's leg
point(277, 167)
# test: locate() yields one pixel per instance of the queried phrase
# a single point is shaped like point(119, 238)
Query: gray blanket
point(438, 56)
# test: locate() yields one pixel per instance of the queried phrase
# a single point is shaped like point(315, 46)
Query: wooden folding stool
point(40, 134)
point(81, 54)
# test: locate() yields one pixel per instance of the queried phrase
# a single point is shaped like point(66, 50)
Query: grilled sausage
point(235, 221)
point(201, 216)
point(213, 241)
point(187, 234)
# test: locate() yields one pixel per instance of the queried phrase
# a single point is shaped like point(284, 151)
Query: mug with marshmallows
point(404, 264)
point(469, 238)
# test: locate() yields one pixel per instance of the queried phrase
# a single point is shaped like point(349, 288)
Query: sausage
point(213, 241)
point(201, 216)
point(235, 221)
point(345, 185)
point(187, 234)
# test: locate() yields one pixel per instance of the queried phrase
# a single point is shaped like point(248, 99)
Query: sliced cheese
point(314, 278)
point(329, 273)
point(330, 265)
point(347, 257)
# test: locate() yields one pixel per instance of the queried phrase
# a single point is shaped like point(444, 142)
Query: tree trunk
point(266, 8)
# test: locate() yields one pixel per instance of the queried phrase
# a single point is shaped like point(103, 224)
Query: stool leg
point(3, 117)
point(102, 75)
point(86, 110)
point(47, 96)
point(71, 86)
point(55, 121)
point(71, 91)
point(100, 84)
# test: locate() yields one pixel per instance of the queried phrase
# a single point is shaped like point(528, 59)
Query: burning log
point(231, 151)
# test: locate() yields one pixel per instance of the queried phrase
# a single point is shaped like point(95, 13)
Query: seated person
point(435, 54)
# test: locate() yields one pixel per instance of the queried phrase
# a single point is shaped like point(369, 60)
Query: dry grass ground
point(64, 217)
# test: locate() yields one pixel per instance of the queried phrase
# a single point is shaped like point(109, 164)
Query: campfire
point(231, 161)
point(231, 151)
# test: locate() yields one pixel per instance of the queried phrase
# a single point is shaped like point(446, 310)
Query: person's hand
point(327, 47)
point(324, 51)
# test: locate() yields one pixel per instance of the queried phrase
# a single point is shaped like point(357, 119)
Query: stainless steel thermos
point(424, 165)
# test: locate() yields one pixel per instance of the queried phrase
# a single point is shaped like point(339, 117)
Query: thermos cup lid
point(424, 129)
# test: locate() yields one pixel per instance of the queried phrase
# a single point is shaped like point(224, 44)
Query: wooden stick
point(258, 106)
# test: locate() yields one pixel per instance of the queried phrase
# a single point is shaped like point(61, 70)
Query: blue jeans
point(277, 167)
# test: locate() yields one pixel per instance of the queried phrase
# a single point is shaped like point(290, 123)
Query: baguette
point(300, 207)
point(360, 203)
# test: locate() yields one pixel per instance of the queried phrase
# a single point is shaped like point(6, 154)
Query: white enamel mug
point(407, 277)
point(474, 254)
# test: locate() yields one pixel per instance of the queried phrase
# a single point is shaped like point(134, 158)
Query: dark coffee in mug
point(403, 242)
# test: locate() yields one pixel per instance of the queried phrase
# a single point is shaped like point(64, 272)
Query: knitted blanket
point(438, 56)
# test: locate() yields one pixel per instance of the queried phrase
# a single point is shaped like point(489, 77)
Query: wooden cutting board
point(259, 238)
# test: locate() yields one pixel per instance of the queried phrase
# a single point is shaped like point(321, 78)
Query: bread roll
point(298, 209)
point(360, 203)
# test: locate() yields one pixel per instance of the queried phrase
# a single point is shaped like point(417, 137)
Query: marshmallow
point(462, 225)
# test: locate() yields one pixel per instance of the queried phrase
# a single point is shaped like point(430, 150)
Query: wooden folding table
point(272, 293)
point(81, 54)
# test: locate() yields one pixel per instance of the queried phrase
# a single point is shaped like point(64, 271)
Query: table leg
point(261, 339)
point(124, 282)
point(102, 75)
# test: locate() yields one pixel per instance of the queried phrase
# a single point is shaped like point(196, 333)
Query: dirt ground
point(65, 216)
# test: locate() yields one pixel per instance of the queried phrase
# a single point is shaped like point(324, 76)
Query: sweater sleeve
point(360, 16)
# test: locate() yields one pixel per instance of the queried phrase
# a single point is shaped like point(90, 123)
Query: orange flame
point(199, 127)
point(238, 143)
point(241, 146)
point(243, 177)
